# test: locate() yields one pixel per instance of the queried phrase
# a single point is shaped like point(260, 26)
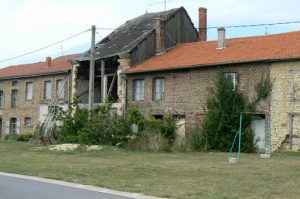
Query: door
point(258, 128)
point(0, 128)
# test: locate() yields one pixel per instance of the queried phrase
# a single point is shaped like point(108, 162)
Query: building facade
point(28, 93)
point(177, 82)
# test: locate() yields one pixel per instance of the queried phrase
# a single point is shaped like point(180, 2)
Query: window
point(28, 91)
point(14, 98)
point(139, 89)
point(53, 109)
point(15, 83)
point(60, 89)
point(28, 122)
point(1, 99)
point(158, 88)
point(233, 78)
point(47, 90)
point(13, 125)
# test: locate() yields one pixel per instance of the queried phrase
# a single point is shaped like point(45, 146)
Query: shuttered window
point(139, 89)
point(29, 90)
point(158, 89)
point(47, 90)
point(1, 99)
point(60, 89)
point(14, 98)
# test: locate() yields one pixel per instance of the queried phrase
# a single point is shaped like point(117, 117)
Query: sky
point(28, 25)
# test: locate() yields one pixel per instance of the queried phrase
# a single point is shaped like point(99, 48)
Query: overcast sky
point(27, 25)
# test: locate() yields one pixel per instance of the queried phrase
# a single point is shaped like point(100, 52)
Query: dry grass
point(176, 175)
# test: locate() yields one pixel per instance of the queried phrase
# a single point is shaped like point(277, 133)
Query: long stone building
point(177, 81)
point(28, 93)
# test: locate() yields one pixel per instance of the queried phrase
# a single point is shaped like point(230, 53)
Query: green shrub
point(11, 136)
point(149, 140)
point(195, 140)
point(221, 122)
point(135, 117)
point(25, 137)
point(104, 128)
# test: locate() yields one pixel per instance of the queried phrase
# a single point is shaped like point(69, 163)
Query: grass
point(175, 175)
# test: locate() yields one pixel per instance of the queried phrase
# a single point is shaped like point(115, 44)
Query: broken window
point(14, 98)
point(53, 109)
point(233, 78)
point(28, 90)
point(47, 90)
point(13, 125)
point(60, 89)
point(139, 89)
point(28, 122)
point(158, 89)
point(1, 98)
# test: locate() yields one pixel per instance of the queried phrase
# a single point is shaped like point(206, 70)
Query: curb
point(81, 186)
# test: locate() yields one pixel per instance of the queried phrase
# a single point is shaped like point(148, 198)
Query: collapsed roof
point(125, 38)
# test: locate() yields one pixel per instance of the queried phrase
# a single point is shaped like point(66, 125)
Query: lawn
point(175, 175)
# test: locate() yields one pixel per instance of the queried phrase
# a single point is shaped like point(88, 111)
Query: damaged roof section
point(125, 38)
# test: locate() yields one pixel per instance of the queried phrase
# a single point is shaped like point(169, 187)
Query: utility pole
point(92, 70)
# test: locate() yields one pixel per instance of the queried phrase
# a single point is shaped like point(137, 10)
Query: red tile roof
point(59, 64)
point(238, 50)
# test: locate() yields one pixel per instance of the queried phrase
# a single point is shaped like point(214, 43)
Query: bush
point(25, 137)
point(149, 140)
point(104, 128)
point(10, 137)
point(196, 141)
point(221, 122)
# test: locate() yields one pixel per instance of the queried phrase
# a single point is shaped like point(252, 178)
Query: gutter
point(213, 64)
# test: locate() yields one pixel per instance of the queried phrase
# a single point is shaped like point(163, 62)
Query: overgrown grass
point(176, 175)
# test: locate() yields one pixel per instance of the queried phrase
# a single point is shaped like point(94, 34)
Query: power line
point(34, 51)
point(233, 26)
point(253, 25)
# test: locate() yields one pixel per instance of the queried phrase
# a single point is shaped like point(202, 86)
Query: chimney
point(202, 24)
point(160, 31)
point(221, 38)
point(48, 61)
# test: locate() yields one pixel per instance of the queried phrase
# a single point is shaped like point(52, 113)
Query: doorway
point(0, 128)
point(258, 127)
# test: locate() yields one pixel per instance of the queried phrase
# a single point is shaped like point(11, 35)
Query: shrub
point(25, 137)
point(221, 122)
point(196, 141)
point(135, 117)
point(104, 128)
point(11, 136)
point(149, 140)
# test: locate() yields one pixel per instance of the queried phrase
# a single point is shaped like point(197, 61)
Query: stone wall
point(285, 100)
point(186, 90)
point(28, 108)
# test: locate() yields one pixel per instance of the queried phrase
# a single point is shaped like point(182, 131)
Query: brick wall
point(28, 108)
point(186, 90)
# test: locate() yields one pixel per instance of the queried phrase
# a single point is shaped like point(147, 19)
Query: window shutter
point(18, 127)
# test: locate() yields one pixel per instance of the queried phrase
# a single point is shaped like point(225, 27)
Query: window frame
point(26, 91)
point(26, 120)
point(161, 91)
point(2, 98)
point(14, 99)
point(46, 97)
point(60, 95)
point(139, 96)
point(233, 80)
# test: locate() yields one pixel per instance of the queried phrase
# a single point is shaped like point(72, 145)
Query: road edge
point(80, 186)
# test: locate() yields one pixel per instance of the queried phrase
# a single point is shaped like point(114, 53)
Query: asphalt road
point(17, 188)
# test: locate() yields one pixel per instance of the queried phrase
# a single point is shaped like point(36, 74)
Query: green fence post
point(240, 137)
